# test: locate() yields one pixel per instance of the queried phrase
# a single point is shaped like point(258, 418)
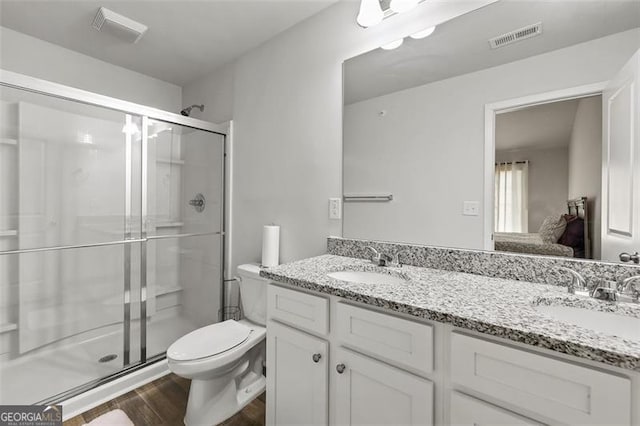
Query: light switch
point(335, 208)
point(471, 208)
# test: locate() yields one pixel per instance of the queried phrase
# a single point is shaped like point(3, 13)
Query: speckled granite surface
point(495, 306)
point(520, 267)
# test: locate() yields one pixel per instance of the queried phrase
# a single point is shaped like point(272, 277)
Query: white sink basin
point(363, 277)
point(605, 322)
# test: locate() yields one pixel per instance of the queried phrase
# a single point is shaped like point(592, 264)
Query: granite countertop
point(499, 307)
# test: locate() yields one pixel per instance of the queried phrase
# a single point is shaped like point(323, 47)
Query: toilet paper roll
point(270, 245)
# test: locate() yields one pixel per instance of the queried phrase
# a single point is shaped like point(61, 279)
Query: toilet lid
point(208, 341)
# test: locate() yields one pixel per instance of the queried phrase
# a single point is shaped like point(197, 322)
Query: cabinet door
point(467, 411)
point(297, 377)
point(371, 392)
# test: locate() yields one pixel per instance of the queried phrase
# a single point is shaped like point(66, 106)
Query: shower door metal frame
point(34, 85)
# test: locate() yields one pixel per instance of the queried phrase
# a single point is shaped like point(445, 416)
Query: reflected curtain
point(511, 212)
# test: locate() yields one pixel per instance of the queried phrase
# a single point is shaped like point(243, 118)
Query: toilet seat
point(209, 341)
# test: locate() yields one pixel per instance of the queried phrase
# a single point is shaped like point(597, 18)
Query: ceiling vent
point(516, 35)
point(118, 25)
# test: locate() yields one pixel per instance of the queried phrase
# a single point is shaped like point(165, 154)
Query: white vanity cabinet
point(330, 361)
point(368, 364)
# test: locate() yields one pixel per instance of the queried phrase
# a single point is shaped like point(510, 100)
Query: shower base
point(75, 361)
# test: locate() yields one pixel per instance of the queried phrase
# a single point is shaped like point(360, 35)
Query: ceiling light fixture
point(401, 6)
point(422, 34)
point(373, 12)
point(393, 45)
point(370, 13)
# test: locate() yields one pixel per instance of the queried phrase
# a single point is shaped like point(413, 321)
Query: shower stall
point(111, 236)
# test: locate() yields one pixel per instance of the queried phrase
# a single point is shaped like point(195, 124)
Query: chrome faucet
point(626, 291)
point(578, 284)
point(629, 291)
point(379, 259)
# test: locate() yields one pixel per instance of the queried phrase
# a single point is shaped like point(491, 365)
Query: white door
point(297, 377)
point(621, 163)
point(370, 392)
point(467, 411)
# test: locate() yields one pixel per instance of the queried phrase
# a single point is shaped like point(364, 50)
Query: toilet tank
point(253, 293)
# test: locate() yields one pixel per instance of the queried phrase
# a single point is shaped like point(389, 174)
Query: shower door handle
point(198, 202)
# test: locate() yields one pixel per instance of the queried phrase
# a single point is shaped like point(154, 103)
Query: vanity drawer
point(559, 390)
point(300, 310)
point(467, 411)
point(398, 341)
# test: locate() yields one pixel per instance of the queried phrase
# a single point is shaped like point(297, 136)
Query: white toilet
point(224, 361)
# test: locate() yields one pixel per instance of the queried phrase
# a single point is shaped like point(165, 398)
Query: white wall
point(585, 161)
point(445, 120)
point(548, 180)
point(287, 110)
point(215, 91)
point(31, 56)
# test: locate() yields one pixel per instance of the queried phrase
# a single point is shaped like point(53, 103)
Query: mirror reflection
point(508, 128)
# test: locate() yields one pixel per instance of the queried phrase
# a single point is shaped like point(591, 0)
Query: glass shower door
point(185, 181)
point(111, 242)
point(69, 219)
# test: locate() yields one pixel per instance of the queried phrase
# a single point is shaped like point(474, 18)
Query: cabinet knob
point(340, 368)
point(316, 358)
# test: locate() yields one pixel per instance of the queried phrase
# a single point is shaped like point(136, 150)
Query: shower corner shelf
point(169, 161)
point(169, 224)
point(8, 326)
point(9, 233)
point(162, 290)
point(8, 141)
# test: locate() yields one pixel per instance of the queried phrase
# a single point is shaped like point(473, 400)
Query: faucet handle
point(628, 287)
point(395, 260)
point(379, 258)
point(606, 290)
point(577, 281)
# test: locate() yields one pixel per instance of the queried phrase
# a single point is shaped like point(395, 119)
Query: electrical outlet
point(471, 208)
point(335, 208)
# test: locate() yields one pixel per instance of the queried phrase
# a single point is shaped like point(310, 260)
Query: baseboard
point(94, 397)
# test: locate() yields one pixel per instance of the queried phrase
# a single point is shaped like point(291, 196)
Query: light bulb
point(370, 13)
point(400, 6)
point(424, 33)
point(393, 45)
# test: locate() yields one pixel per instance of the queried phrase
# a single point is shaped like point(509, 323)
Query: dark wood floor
point(163, 402)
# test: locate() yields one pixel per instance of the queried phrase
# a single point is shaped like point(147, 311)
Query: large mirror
point(514, 127)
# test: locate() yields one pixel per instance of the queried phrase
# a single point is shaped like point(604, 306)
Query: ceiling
point(541, 126)
point(461, 46)
point(185, 40)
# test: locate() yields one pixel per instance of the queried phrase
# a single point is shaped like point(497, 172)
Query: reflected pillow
point(552, 229)
point(574, 235)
